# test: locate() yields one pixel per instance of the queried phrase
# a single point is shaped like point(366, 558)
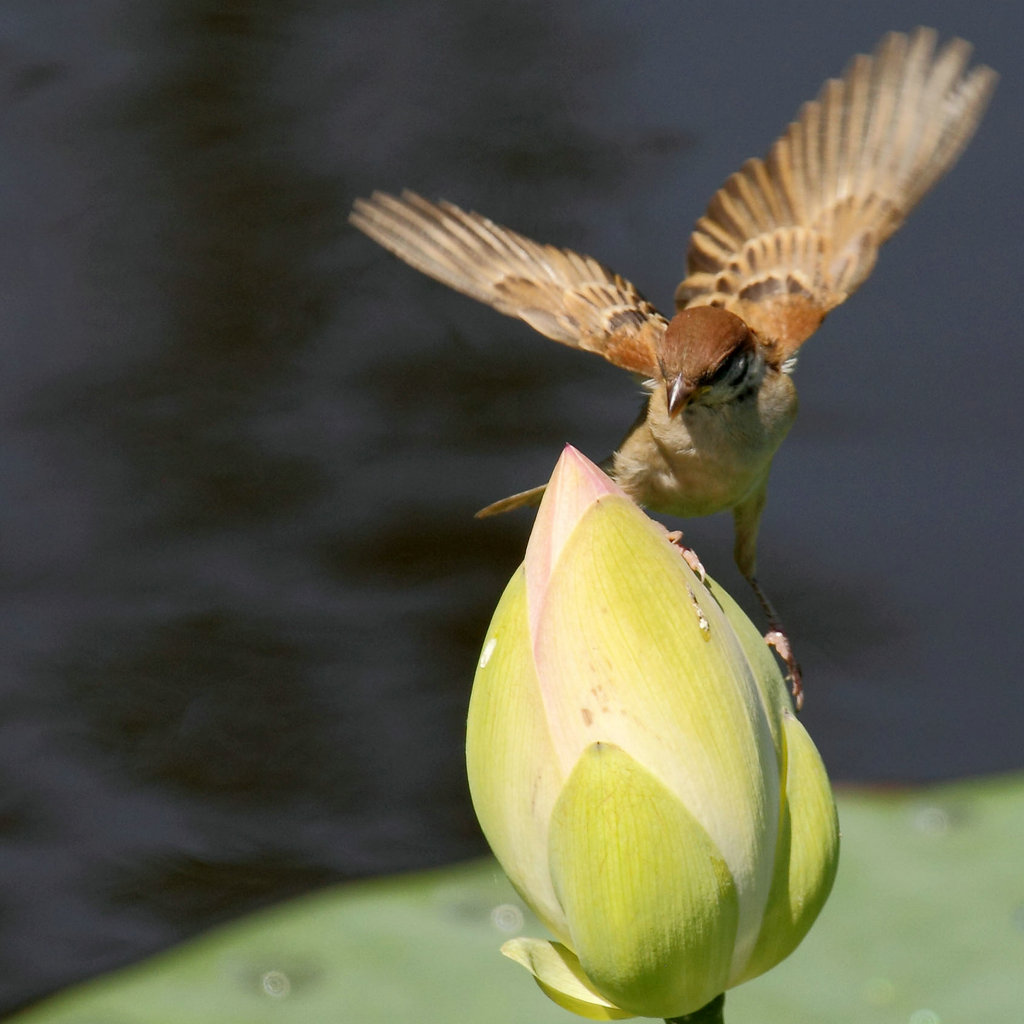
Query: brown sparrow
point(785, 240)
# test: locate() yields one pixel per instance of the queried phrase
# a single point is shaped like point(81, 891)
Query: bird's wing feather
point(563, 295)
point(788, 238)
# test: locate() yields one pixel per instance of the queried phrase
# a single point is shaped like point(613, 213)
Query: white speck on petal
point(485, 654)
point(702, 621)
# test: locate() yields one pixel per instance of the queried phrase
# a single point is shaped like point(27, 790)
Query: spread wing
point(788, 238)
point(568, 297)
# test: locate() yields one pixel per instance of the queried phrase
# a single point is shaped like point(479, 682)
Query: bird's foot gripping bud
point(689, 555)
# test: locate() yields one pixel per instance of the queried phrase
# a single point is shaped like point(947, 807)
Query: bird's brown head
point(703, 346)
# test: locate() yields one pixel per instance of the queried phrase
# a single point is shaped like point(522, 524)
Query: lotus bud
point(637, 769)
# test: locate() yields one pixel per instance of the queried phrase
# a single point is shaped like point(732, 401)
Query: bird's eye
point(732, 370)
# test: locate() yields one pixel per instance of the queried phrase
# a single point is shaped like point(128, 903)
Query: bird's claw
point(689, 555)
point(778, 640)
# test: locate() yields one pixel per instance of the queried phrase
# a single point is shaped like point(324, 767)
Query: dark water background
point(242, 589)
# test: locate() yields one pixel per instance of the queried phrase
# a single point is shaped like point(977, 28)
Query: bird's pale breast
point(708, 458)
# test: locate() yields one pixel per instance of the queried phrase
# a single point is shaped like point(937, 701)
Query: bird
point(784, 241)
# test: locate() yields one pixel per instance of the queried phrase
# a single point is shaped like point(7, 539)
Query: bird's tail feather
point(524, 499)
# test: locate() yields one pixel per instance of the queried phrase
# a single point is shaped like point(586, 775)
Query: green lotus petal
point(558, 973)
point(763, 664)
point(514, 774)
point(807, 856)
point(651, 905)
point(632, 650)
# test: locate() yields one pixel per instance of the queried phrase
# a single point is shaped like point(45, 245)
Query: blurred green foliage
point(925, 926)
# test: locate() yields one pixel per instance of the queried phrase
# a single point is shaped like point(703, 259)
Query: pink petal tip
point(575, 485)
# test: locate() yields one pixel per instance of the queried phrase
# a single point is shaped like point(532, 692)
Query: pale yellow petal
point(558, 973)
point(514, 773)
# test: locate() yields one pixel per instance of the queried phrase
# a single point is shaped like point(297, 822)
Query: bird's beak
point(679, 393)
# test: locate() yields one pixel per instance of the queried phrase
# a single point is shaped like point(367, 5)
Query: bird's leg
point(746, 519)
point(777, 638)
